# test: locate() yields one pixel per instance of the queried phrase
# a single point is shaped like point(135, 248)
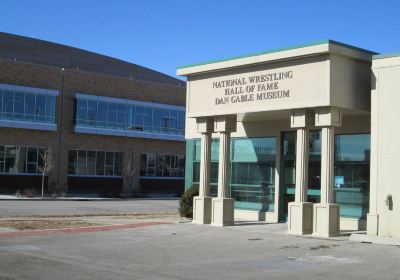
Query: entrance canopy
point(325, 74)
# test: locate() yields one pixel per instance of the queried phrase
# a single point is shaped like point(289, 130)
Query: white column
point(327, 214)
point(223, 164)
point(327, 164)
point(372, 216)
point(205, 164)
point(202, 202)
point(223, 206)
point(301, 164)
point(300, 211)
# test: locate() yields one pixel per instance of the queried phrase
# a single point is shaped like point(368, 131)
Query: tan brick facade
point(69, 82)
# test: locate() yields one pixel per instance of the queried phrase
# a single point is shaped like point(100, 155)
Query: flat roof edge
point(276, 51)
point(387, 55)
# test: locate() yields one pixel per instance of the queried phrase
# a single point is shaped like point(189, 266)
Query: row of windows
point(252, 171)
point(121, 116)
point(94, 163)
point(19, 160)
point(152, 165)
point(27, 106)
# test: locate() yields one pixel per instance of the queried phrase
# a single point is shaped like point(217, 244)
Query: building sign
point(260, 88)
point(252, 88)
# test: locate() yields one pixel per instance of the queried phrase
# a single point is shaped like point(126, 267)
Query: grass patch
point(43, 224)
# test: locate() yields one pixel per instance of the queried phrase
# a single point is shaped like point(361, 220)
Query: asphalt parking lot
point(187, 251)
point(166, 247)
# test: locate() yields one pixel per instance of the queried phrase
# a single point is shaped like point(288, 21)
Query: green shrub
point(186, 202)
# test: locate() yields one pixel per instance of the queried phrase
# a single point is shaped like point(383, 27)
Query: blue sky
point(165, 34)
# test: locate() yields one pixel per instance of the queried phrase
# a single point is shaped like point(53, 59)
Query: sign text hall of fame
point(253, 88)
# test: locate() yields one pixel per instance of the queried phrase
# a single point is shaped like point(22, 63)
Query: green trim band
point(275, 51)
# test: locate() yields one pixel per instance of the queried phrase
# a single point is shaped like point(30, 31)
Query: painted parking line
point(78, 229)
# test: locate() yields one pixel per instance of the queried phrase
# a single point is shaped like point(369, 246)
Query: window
point(162, 166)
point(8, 105)
point(100, 158)
point(91, 163)
point(94, 163)
point(40, 108)
point(20, 160)
point(91, 113)
point(101, 119)
point(30, 101)
point(252, 173)
point(214, 165)
point(252, 182)
point(2, 159)
point(121, 115)
point(352, 165)
point(32, 160)
point(111, 115)
point(28, 105)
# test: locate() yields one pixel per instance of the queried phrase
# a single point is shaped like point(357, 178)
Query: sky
point(165, 34)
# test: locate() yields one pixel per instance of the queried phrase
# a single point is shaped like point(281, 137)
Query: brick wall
point(75, 81)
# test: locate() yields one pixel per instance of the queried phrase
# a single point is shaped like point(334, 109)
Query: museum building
point(112, 126)
point(285, 136)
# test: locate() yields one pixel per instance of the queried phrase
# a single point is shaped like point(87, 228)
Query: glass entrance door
point(288, 170)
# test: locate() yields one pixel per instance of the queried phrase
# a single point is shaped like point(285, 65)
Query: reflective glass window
point(11, 165)
point(100, 160)
point(139, 118)
point(119, 115)
point(81, 165)
point(130, 121)
point(121, 112)
point(111, 115)
point(147, 119)
point(101, 114)
point(109, 164)
point(159, 165)
point(8, 104)
point(72, 162)
point(173, 121)
point(214, 165)
point(50, 109)
point(19, 104)
point(30, 100)
point(40, 108)
point(156, 120)
point(2, 158)
point(352, 171)
point(162, 165)
point(1, 101)
point(31, 160)
point(91, 163)
point(143, 164)
point(164, 120)
point(181, 122)
point(117, 164)
point(253, 173)
point(91, 113)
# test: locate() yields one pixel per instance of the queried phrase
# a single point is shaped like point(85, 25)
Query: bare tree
point(46, 164)
point(130, 173)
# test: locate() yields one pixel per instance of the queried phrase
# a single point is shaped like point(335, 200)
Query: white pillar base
point(300, 218)
point(372, 224)
point(201, 210)
point(222, 212)
point(326, 219)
